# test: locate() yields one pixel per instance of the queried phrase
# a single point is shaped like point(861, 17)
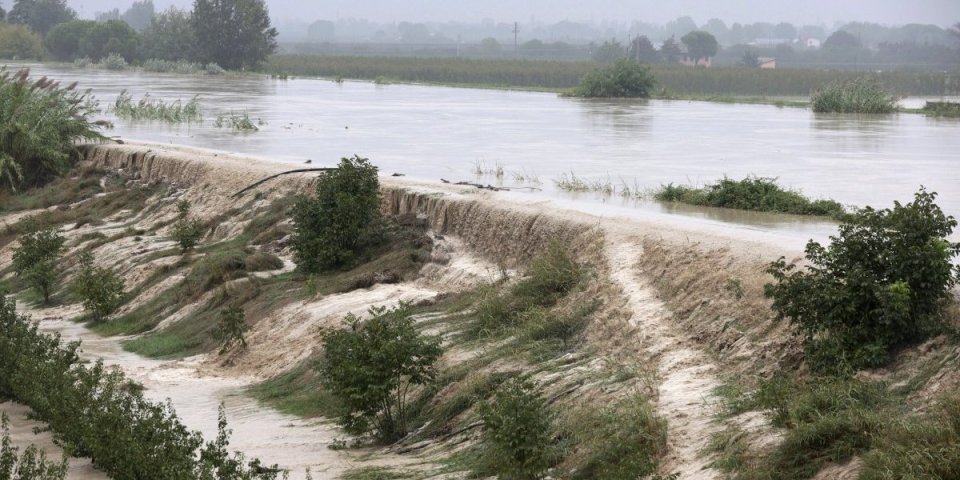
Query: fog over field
point(826, 12)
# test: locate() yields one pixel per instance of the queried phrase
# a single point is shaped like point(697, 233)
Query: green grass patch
point(942, 109)
point(374, 473)
point(857, 95)
point(299, 392)
point(159, 345)
point(752, 193)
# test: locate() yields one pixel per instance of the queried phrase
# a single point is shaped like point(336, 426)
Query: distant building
point(812, 43)
point(767, 62)
point(686, 59)
point(770, 42)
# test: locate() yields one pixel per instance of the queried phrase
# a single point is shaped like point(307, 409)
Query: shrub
point(214, 69)
point(518, 432)
point(625, 78)
point(36, 259)
point(371, 367)
point(40, 123)
point(187, 231)
point(114, 61)
point(231, 329)
point(752, 193)
point(101, 289)
point(31, 465)
point(879, 285)
point(18, 42)
point(858, 95)
point(236, 121)
point(334, 228)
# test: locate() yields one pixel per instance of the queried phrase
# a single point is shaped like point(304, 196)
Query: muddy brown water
point(429, 133)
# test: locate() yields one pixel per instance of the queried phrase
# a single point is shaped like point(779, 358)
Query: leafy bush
point(114, 61)
point(518, 432)
point(98, 413)
point(858, 95)
point(40, 123)
point(231, 329)
point(371, 367)
point(31, 465)
point(752, 193)
point(187, 231)
point(101, 289)
point(879, 285)
point(625, 78)
point(36, 259)
point(236, 121)
point(334, 228)
point(18, 42)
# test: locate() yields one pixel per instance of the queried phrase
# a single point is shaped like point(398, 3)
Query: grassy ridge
point(555, 75)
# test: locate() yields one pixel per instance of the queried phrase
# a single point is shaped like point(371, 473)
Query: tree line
point(234, 34)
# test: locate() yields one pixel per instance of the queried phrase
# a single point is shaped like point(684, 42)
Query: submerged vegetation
point(942, 109)
point(858, 95)
point(625, 78)
point(240, 122)
point(155, 109)
point(751, 193)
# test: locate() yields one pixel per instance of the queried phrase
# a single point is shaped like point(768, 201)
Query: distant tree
point(718, 29)
point(139, 15)
point(955, 31)
point(785, 30)
point(670, 50)
point(700, 45)
point(490, 45)
point(188, 230)
point(609, 52)
point(170, 36)
point(63, 41)
point(641, 50)
point(841, 40)
point(234, 34)
point(750, 59)
point(96, 40)
point(41, 15)
point(625, 78)
point(680, 26)
point(321, 31)
point(108, 15)
point(100, 289)
point(19, 42)
point(3, 14)
point(413, 32)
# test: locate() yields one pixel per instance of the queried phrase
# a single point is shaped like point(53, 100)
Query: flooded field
point(435, 132)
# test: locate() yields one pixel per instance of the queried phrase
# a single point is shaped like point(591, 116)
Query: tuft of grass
point(374, 473)
point(752, 193)
point(299, 392)
point(156, 110)
point(159, 345)
point(237, 121)
point(857, 95)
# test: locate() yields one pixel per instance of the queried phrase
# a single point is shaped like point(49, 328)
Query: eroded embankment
point(673, 312)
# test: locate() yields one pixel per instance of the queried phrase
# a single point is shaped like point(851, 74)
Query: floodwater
point(430, 133)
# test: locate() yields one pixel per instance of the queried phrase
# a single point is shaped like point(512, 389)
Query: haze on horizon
point(815, 12)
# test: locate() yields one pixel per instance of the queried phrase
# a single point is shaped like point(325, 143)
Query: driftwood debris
point(488, 187)
point(271, 177)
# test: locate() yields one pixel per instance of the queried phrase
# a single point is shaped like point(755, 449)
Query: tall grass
point(237, 121)
point(751, 193)
point(155, 109)
point(858, 95)
point(556, 75)
point(40, 122)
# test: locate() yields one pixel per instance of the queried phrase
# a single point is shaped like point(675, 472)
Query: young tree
point(670, 50)
point(334, 227)
point(231, 329)
point(36, 259)
point(18, 41)
point(187, 231)
point(700, 45)
point(641, 50)
point(41, 15)
point(518, 431)
point(372, 366)
point(170, 36)
point(880, 284)
point(234, 34)
point(101, 289)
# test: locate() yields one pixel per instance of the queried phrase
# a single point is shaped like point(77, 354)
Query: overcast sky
point(827, 12)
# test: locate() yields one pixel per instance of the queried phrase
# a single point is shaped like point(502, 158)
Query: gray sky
point(827, 12)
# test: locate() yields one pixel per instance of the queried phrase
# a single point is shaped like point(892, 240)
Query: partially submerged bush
point(859, 95)
point(518, 432)
point(372, 366)
point(334, 228)
point(114, 61)
point(880, 284)
point(231, 329)
point(156, 109)
point(35, 260)
point(40, 123)
point(625, 78)
point(100, 289)
point(752, 193)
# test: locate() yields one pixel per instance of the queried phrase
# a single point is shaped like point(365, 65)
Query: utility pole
point(516, 33)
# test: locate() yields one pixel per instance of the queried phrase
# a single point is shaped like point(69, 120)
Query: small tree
point(625, 78)
point(880, 284)
point(35, 260)
point(101, 289)
point(231, 329)
point(234, 34)
point(187, 231)
point(518, 432)
point(700, 45)
point(609, 52)
point(334, 227)
point(371, 367)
